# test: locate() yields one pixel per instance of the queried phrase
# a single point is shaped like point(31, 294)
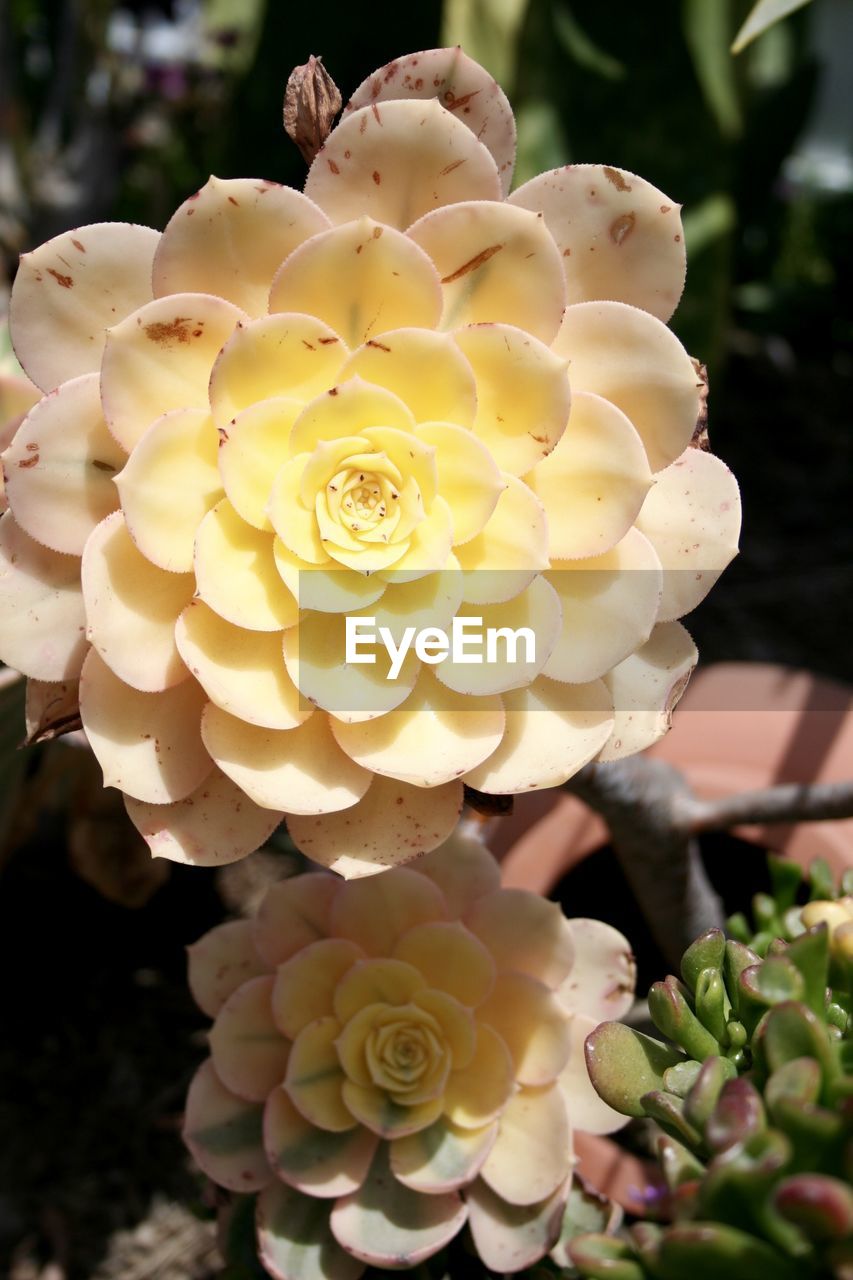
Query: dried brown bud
point(700, 434)
point(311, 102)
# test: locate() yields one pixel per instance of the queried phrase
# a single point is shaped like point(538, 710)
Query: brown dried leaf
point(700, 433)
point(51, 710)
point(311, 102)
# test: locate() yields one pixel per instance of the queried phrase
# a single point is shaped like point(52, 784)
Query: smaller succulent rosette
point(395, 1057)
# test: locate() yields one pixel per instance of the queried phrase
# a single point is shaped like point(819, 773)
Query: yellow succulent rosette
point(402, 394)
point(395, 1057)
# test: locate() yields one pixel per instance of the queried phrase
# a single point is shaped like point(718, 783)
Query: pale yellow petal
point(347, 411)
point(502, 561)
point(429, 600)
point(425, 369)
point(42, 618)
point(383, 1116)
point(236, 573)
point(223, 1133)
point(397, 162)
point(221, 961)
point(293, 914)
point(511, 1237)
point(604, 972)
point(315, 1081)
point(429, 545)
point(249, 1052)
point(442, 1157)
point(532, 1156)
point(525, 933)
point(375, 913)
point(362, 279)
point(230, 238)
point(450, 958)
point(289, 516)
point(533, 1025)
point(252, 447)
point(70, 290)
point(464, 870)
point(646, 688)
point(370, 982)
point(587, 1111)
point(60, 466)
point(305, 985)
point(468, 478)
point(477, 1095)
point(294, 1238)
point(326, 588)
point(457, 1024)
point(315, 1161)
point(506, 645)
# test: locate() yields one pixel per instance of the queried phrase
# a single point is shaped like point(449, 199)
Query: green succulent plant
point(777, 914)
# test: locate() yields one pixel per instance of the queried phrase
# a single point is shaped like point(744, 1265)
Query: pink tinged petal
point(510, 1237)
point(692, 519)
point(236, 573)
point(70, 290)
point(370, 982)
point(496, 263)
point(160, 359)
point(42, 619)
point(593, 485)
point(464, 870)
point(375, 913)
point(221, 961)
point(552, 730)
point(291, 355)
point(242, 671)
point(475, 1095)
point(295, 1241)
point(362, 279)
point(609, 603)
point(587, 1112)
point(603, 976)
point(631, 359)
point(532, 1023)
point(461, 85)
point(305, 985)
point(397, 361)
point(59, 469)
point(229, 239)
point(532, 1156)
point(224, 1134)
point(469, 480)
point(397, 162)
point(249, 1053)
point(216, 824)
point(314, 1078)
point(148, 744)
point(525, 933)
point(293, 914)
point(646, 689)
point(299, 771)
point(523, 396)
point(442, 1157)
point(132, 607)
point(618, 236)
point(388, 1224)
point(450, 958)
point(169, 484)
point(386, 1118)
point(505, 557)
point(392, 824)
point(312, 1160)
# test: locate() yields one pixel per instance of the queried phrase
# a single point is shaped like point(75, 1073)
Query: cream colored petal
point(525, 933)
point(512, 641)
point(552, 730)
point(375, 913)
point(293, 914)
point(160, 359)
point(609, 603)
point(587, 1111)
point(223, 1133)
point(326, 588)
point(236, 573)
point(468, 478)
point(169, 484)
point(450, 958)
point(476, 1095)
point(315, 1080)
point(216, 824)
point(305, 985)
point(461, 85)
point(362, 279)
point(312, 1160)
point(593, 485)
point(388, 1224)
point(60, 466)
point(397, 162)
point(618, 236)
point(631, 359)
point(298, 770)
point(532, 1156)
point(385, 1117)
point(510, 1237)
point(502, 561)
point(347, 411)
point(436, 736)
point(457, 1025)
point(132, 607)
point(289, 516)
point(221, 961)
point(249, 1052)
point(70, 290)
point(295, 1241)
point(230, 238)
point(376, 981)
point(442, 1157)
point(393, 823)
point(425, 369)
point(533, 1025)
point(242, 671)
point(464, 869)
point(251, 450)
point(692, 518)
point(604, 973)
point(646, 688)
point(429, 600)
point(148, 744)
point(429, 547)
point(496, 263)
point(413, 456)
point(295, 356)
point(523, 396)
point(42, 618)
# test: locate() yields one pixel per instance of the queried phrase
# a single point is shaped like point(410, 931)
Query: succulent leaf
point(624, 1065)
